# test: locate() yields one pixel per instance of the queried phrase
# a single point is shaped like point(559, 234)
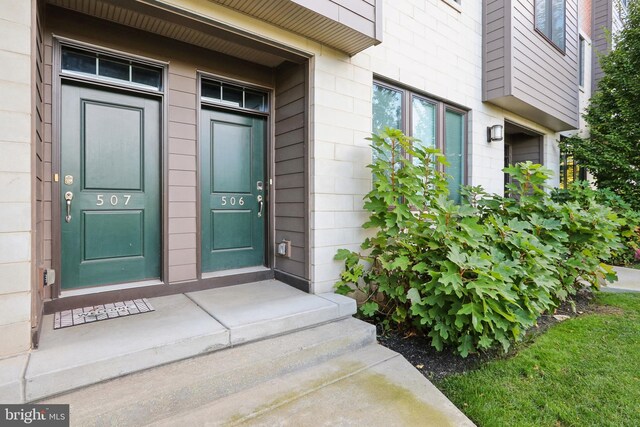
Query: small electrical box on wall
point(48, 276)
point(284, 248)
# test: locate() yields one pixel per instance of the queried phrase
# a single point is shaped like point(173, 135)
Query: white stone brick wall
point(15, 176)
point(429, 47)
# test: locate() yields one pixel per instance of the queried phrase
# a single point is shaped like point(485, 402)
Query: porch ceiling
point(328, 22)
point(157, 21)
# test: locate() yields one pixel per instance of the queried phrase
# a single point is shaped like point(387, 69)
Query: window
point(570, 170)
point(233, 96)
point(581, 61)
point(550, 20)
point(107, 67)
point(435, 123)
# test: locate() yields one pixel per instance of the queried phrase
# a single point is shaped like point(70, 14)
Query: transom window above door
point(110, 68)
point(234, 96)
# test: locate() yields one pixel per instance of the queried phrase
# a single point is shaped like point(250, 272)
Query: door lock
point(68, 196)
point(259, 186)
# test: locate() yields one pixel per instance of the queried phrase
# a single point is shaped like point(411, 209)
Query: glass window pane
point(232, 95)
point(387, 108)
point(76, 61)
point(211, 90)
point(424, 122)
point(454, 151)
point(550, 20)
point(542, 23)
point(113, 69)
point(146, 76)
point(558, 23)
point(254, 101)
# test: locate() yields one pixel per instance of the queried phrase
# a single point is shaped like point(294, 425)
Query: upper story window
point(111, 68)
point(551, 21)
point(435, 123)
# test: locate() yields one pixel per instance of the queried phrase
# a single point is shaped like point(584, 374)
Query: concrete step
point(182, 326)
point(183, 386)
point(372, 386)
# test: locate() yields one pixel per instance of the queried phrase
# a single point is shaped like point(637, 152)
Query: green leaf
point(401, 263)
point(369, 309)
point(466, 346)
point(414, 295)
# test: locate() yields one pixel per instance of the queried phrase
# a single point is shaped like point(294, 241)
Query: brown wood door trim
point(58, 79)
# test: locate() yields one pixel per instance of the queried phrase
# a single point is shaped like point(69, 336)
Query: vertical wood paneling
point(290, 167)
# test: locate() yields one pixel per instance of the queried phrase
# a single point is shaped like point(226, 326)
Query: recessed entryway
point(521, 144)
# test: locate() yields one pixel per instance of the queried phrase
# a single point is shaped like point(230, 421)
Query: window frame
point(582, 44)
point(549, 38)
point(441, 106)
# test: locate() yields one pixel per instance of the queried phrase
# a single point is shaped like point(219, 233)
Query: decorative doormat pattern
point(96, 313)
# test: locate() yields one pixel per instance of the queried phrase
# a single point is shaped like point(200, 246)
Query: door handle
point(260, 205)
point(68, 196)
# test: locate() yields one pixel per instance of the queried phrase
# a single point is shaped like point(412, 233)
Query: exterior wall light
point(495, 133)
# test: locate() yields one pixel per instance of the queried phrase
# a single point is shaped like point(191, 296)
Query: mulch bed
point(435, 365)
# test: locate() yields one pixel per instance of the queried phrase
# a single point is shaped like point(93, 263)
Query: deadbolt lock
point(68, 179)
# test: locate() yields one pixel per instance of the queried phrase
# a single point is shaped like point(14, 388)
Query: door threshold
point(223, 273)
point(107, 288)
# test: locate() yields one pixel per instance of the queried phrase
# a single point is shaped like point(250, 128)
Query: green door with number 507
point(233, 190)
point(110, 187)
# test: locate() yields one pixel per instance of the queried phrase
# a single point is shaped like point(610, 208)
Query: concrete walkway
point(628, 281)
point(331, 375)
point(257, 354)
point(182, 326)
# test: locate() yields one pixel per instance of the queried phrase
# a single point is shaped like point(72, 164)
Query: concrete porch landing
point(182, 326)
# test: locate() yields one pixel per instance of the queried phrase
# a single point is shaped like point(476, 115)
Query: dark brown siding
point(524, 72)
point(290, 167)
point(607, 21)
point(525, 148)
point(41, 170)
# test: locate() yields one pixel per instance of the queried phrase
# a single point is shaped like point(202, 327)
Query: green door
point(232, 183)
point(110, 187)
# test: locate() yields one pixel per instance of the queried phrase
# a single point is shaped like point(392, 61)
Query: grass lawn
point(581, 372)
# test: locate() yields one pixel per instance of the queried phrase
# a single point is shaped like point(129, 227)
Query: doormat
point(96, 313)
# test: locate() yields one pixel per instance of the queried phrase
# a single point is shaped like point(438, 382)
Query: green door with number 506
point(233, 190)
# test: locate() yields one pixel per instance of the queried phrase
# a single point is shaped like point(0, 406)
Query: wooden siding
point(347, 25)
point(602, 18)
point(290, 167)
point(40, 111)
point(525, 148)
point(524, 72)
point(608, 18)
point(495, 35)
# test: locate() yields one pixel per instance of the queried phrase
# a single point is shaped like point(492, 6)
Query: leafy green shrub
point(581, 192)
point(473, 275)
